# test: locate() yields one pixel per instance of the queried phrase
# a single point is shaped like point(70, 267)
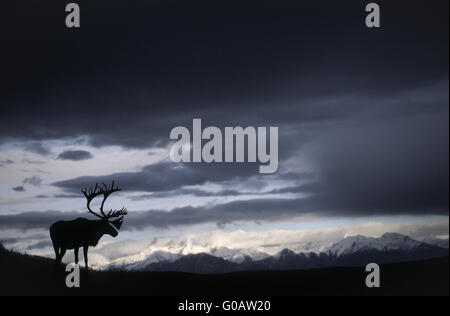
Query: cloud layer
point(270, 242)
point(363, 114)
point(75, 155)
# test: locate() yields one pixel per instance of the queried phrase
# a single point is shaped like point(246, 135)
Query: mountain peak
point(285, 254)
point(389, 241)
point(358, 238)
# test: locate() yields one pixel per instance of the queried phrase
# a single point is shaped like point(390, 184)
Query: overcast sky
point(363, 114)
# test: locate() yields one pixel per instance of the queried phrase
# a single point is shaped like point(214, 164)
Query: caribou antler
point(106, 191)
point(113, 213)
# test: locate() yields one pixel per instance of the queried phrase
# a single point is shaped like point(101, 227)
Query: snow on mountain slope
point(443, 243)
point(160, 249)
point(238, 255)
point(137, 254)
point(316, 246)
point(253, 254)
point(389, 241)
point(153, 252)
point(233, 255)
point(156, 256)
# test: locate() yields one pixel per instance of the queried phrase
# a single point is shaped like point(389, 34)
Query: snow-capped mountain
point(387, 242)
point(159, 254)
point(232, 255)
point(239, 255)
point(151, 252)
point(351, 251)
point(443, 243)
point(156, 256)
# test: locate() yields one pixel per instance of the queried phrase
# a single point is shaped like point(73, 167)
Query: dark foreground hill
point(31, 275)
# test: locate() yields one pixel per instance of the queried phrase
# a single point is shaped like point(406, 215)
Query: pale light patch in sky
point(411, 225)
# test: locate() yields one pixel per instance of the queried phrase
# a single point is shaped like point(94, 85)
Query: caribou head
point(105, 191)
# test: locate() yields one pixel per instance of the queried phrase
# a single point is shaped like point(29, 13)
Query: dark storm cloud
point(383, 166)
point(266, 210)
point(24, 238)
point(75, 155)
point(256, 210)
point(34, 180)
point(19, 189)
point(165, 176)
point(222, 193)
point(35, 220)
point(367, 108)
point(37, 148)
point(66, 196)
point(256, 62)
point(193, 192)
point(222, 214)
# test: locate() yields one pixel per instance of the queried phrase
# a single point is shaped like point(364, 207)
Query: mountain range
point(350, 251)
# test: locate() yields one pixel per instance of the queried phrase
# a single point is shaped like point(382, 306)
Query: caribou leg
point(85, 251)
point(61, 254)
point(56, 248)
point(75, 250)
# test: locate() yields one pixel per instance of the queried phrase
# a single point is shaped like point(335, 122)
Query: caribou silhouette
point(83, 232)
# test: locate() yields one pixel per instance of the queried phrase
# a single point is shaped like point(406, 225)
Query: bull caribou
point(83, 232)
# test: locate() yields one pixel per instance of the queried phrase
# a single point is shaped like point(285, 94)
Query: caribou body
point(83, 232)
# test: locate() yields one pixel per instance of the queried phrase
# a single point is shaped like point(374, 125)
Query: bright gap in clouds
point(416, 227)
